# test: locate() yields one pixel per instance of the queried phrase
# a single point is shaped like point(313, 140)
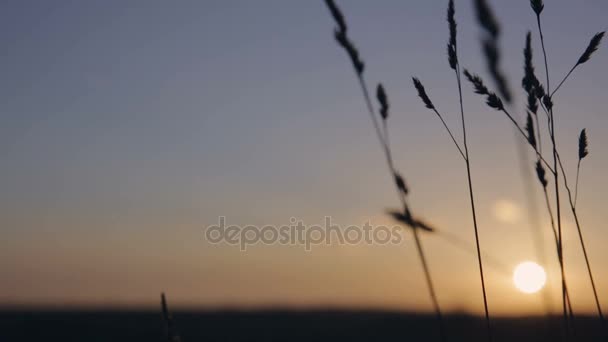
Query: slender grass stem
point(542, 43)
point(383, 139)
point(580, 235)
point(538, 154)
point(472, 198)
point(564, 80)
point(578, 169)
point(387, 139)
point(556, 239)
point(343, 40)
point(451, 135)
point(559, 223)
point(556, 158)
point(538, 138)
point(536, 228)
point(385, 143)
point(555, 236)
point(429, 281)
point(455, 65)
point(550, 211)
point(556, 182)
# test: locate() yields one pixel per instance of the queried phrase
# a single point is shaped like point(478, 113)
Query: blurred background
point(127, 127)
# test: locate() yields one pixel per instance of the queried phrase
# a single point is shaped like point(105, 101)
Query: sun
point(529, 277)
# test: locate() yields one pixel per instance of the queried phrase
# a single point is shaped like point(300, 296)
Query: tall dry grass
point(452, 48)
point(540, 99)
point(380, 124)
point(541, 96)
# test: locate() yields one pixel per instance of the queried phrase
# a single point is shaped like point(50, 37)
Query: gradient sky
point(126, 127)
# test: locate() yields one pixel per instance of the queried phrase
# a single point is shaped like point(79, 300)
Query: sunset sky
point(127, 127)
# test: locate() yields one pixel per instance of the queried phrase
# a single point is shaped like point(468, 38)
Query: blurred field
point(274, 326)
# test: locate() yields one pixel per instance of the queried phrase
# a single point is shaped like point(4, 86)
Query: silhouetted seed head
point(491, 52)
point(423, 225)
point(537, 6)
point(399, 216)
point(452, 55)
point(540, 173)
point(593, 45)
point(337, 15)
point(490, 48)
point(530, 131)
point(383, 100)
point(527, 82)
point(422, 93)
point(486, 19)
point(532, 102)
point(548, 102)
point(477, 83)
point(452, 22)
point(540, 91)
point(494, 101)
point(343, 40)
point(530, 82)
point(582, 145)
point(409, 221)
point(401, 183)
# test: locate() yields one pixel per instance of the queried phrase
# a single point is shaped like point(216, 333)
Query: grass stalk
point(472, 198)
point(548, 104)
point(383, 138)
point(559, 223)
point(521, 131)
point(563, 80)
point(555, 173)
point(170, 331)
point(548, 101)
point(465, 155)
point(578, 169)
point(542, 44)
point(455, 65)
point(384, 141)
point(429, 281)
point(556, 240)
point(582, 241)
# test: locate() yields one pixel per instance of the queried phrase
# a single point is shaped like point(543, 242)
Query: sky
point(128, 127)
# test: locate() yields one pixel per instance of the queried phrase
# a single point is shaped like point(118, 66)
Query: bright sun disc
point(529, 277)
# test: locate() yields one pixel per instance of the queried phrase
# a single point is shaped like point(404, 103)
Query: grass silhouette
point(170, 331)
point(404, 215)
point(539, 98)
point(455, 66)
point(537, 95)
